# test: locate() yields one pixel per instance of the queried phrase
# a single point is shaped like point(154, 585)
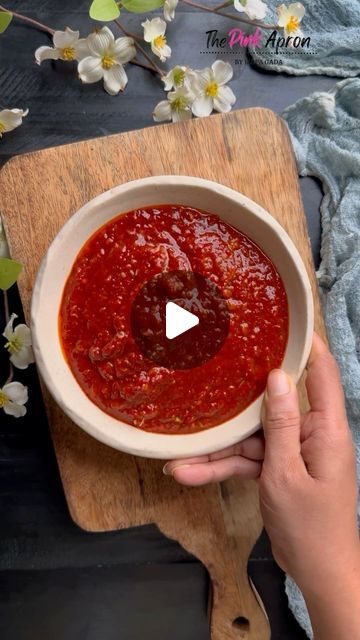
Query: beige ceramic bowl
point(235, 209)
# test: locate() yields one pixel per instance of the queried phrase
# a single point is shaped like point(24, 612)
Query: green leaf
point(5, 19)
point(142, 6)
point(104, 10)
point(9, 271)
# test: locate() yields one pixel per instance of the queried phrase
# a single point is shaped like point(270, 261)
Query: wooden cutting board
point(249, 151)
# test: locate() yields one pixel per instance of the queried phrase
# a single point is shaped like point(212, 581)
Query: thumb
point(281, 417)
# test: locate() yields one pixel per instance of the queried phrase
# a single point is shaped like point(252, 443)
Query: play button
point(179, 319)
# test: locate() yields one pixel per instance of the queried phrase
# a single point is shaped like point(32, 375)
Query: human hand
point(308, 495)
point(244, 459)
point(307, 481)
point(308, 491)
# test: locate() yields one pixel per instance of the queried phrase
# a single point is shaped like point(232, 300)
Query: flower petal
point(168, 80)
point(254, 9)
point(46, 53)
point(115, 79)
point(153, 28)
point(200, 80)
point(67, 38)
point(202, 106)
point(90, 70)
point(169, 9)
point(23, 358)
point(181, 92)
point(176, 77)
point(16, 392)
point(15, 410)
point(23, 333)
point(223, 71)
point(81, 49)
point(283, 15)
point(224, 100)
point(180, 116)
point(9, 330)
point(101, 42)
point(12, 118)
point(163, 52)
point(162, 111)
point(124, 50)
point(297, 10)
point(148, 33)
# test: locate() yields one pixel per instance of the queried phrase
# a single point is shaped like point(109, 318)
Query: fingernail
point(278, 383)
point(169, 471)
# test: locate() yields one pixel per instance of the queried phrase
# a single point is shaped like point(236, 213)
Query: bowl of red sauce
point(99, 322)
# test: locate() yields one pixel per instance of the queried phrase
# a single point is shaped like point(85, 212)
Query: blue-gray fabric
point(325, 131)
point(333, 26)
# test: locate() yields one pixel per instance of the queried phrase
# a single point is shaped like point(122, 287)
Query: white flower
point(169, 9)
point(154, 32)
point(11, 118)
point(18, 344)
point(4, 249)
point(67, 46)
point(178, 77)
point(13, 396)
point(290, 18)
point(177, 107)
point(210, 90)
point(106, 60)
point(254, 9)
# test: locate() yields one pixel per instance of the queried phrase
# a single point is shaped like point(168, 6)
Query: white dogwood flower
point(178, 77)
point(290, 17)
point(154, 32)
point(106, 60)
point(18, 344)
point(177, 107)
point(254, 9)
point(13, 397)
point(210, 89)
point(169, 9)
point(10, 119)
point(67, 46)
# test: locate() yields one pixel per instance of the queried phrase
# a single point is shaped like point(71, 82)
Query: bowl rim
point(155, 445)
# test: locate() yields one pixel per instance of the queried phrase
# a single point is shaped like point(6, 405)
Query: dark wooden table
point(55, 580)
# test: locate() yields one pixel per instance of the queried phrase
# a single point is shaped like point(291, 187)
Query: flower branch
point(7, 320)
point(255, 23)
point(154, 66)
point(223, 5)
point(31, 21)
point(14, 395)
point(148, 67)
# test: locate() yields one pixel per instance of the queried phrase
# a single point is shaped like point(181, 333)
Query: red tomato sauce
point(94, 319)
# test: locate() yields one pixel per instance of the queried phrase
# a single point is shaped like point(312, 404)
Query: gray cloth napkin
point(333, 26)
point(325, 131)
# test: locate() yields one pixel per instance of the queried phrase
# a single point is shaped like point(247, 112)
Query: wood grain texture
point(249, 151)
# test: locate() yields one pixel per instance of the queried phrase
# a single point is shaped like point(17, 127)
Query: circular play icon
point(179, 319)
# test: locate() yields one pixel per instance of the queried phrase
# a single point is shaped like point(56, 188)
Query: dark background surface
point(55, 580)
